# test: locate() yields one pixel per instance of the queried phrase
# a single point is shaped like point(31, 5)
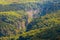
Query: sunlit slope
point(18, 1)
point(9, 23)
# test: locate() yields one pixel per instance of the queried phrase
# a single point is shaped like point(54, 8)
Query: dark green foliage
point(14, 24)
point(45, 28)
point(50, 25)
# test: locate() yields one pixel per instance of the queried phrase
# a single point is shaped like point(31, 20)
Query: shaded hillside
point(45, 21)
point(43, 8)
point(44, 28)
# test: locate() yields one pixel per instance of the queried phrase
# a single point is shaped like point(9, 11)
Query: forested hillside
point(44, 28)
point(29, 19)
point(10, 23)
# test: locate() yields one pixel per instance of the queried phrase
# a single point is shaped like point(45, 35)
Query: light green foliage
point(4, 2)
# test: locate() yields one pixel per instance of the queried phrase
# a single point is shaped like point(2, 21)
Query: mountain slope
point(10, 23)
point(45, 28)
point(30, 19)
point(42, 8)
point(45, 21)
